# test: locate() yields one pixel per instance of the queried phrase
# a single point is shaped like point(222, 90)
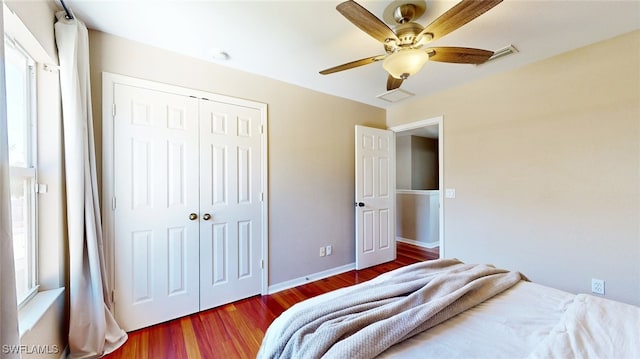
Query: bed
point(449, 309)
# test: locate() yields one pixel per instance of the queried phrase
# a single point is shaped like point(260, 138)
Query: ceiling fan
point(404, 53)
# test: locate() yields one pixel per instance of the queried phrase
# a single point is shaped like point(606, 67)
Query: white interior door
point(155, 190)
point(230, 185)
point(375, 196)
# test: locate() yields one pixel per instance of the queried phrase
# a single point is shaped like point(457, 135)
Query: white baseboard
point(416, 243)
point(310, 278)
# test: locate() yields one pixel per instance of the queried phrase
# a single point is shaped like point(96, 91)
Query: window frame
point(28, 172)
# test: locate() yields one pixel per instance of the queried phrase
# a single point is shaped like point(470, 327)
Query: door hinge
point(262, 129)
point(113, 110)
point(262, 263)
point(261, 196)
point(113, 296)
point(113, 203)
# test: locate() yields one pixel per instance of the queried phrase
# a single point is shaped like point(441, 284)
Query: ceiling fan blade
point(457, 16)
point(352, 64)
point(366, 21)
point(393, 83)
point(459, 55)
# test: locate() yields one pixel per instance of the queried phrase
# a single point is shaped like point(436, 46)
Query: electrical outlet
point(329, 250)
point(322, 251)
point(597, 286)
point(450, 193)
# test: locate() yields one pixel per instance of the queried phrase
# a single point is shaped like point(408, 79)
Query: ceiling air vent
point(505, 51)
point(395, 95)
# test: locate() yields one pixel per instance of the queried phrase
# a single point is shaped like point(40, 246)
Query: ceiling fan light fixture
point(405, 63)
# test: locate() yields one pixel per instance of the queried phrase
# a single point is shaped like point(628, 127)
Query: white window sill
point(35, 309)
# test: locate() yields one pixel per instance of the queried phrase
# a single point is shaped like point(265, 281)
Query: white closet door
point(155, 189)
point(230, 187)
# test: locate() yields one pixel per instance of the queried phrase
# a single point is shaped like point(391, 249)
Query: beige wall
point(403, 162)
point(310, 154)
point(417, 216)
point(545, 161)
point(424, 163)
point(416, 163)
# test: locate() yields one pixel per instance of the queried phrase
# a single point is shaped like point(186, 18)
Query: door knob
point(193, 216)
point(359, 204)
point(206, 216)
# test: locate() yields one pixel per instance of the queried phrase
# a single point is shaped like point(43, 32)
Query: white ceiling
point(293, 40)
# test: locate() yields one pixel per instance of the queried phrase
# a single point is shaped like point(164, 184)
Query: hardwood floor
point(236, 330)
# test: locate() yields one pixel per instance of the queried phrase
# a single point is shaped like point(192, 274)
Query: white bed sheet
point(510, 325)
point(594, 327)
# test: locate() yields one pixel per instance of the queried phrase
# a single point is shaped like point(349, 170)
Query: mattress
point(509, 325)
point(532, 321)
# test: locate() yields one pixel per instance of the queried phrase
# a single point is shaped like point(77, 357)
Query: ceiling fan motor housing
point(407, 34)
point(407, 30)
point(404, 13)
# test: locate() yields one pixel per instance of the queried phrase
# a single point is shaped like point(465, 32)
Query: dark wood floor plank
point(236, 330)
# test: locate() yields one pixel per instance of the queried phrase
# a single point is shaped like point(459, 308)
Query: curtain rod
point(66, 10)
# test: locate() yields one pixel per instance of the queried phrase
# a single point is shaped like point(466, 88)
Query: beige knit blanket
point(363, 320)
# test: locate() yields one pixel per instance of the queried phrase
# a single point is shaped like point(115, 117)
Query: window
point(21, 123)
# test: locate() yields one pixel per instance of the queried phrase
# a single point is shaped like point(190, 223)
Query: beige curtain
point(93, 330)
point(9, 334)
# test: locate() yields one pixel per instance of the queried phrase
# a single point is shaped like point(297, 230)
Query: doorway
point(420, 180)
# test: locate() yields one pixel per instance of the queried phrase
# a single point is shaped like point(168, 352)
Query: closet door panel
point(230, 183)
point(156, 188)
